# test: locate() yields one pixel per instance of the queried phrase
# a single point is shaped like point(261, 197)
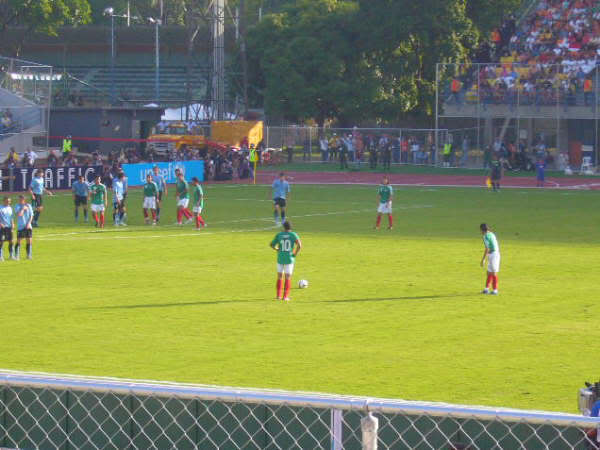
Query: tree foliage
point(43, 16)
point(359, 60)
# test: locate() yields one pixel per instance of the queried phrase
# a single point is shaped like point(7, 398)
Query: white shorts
point(197, 210)
point(97, 208)
point(149, 203)
point(183, 202)
point(494, 262)
point(288, 269)
point(385, 208)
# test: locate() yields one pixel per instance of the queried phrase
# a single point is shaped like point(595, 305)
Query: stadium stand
point(92, 84)
point(550, 58)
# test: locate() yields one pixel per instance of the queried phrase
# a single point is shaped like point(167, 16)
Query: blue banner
point(19, 179)
point(136, 173)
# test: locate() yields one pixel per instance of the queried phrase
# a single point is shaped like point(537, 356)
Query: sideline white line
point(113, 233)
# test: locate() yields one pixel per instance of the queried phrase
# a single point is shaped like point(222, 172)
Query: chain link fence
point(375, 147)
point(47, 411)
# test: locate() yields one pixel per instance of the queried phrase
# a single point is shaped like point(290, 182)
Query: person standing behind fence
point(387, 155)
point(343, 155)
point(465, 151)
point(67, 146)
point(324, 145)
point(447, 153)
point(333, 146)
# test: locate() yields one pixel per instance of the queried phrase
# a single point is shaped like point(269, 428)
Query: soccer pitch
point(389, 314)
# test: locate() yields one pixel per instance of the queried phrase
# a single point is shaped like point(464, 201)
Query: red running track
point(425, 180)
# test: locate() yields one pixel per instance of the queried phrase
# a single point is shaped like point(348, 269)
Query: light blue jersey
point(280, 189)
point(23, 220)
point(81, 189)
point(118, 189)
point(6, 215)
point(125, 185)
point(160, 182)
point(37, 185)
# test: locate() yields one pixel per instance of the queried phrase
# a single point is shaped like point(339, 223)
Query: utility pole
point(218, 78)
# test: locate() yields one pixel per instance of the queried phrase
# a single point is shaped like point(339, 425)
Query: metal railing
point(56, 411)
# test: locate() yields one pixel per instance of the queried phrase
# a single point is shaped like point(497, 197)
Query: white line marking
point(110, 233)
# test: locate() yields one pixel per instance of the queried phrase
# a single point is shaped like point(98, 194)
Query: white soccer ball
point(303, 284)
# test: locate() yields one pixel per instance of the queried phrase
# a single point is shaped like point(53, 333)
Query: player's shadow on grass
point(391, 299)
point(169, 305)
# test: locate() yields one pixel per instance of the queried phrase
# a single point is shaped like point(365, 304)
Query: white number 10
point(286, 245)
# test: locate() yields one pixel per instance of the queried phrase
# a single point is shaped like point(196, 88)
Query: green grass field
point(393, 314)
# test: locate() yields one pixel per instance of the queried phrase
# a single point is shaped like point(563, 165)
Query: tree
point(303, 62)
point(43, 16)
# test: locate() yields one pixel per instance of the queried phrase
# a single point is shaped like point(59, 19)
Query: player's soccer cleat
point(495, 292)
point(29, 257)
point(485, 291)
point(286, 299)
point(390, 228)
point(13, 257)
point(1, 258)
point(154, 223)
point(188, 221)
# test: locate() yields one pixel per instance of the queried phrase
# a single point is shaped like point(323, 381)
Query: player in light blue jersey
point(119, 193)
point(6, 227)
point(37, 189)
point(281, 193)
point(81, 192)
point(24, 214)
point(162, 189)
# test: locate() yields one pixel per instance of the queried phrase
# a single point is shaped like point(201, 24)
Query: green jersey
point(198, 195)
point(98, 194)
point(385, 193)
point(490, 242)
point(285, 242)
point(182, 189)
point(150, 189)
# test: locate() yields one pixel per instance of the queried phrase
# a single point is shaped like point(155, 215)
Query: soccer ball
point(302, 284)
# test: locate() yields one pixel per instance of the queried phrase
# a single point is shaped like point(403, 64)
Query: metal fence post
point(369, 426)
point(336, 429)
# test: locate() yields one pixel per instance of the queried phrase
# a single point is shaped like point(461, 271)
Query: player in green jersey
point(183, 199)
point(287, 245)
point(384, 204)
point(198, 199)
point(492, 252)
point(150, 199)
point(99, 199)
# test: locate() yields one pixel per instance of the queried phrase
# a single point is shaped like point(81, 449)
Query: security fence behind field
point(377, 147)
point(47, 411)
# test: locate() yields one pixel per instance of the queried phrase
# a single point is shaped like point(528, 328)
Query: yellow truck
point(175, 135)
point(234, 133)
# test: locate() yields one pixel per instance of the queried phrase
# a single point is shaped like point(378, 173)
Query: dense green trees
point(42, 15)
point(358, 60)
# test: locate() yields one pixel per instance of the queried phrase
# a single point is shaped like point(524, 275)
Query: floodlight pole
point(157, 24)
point(437, 117)
point(112, 56)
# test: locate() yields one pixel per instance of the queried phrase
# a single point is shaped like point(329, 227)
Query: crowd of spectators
point(377, 149)
point(549, 58)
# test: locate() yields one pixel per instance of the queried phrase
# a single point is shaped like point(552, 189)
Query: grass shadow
point(386, 299)
point(169, 305)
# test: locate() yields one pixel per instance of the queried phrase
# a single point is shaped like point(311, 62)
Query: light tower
point(218, 75)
